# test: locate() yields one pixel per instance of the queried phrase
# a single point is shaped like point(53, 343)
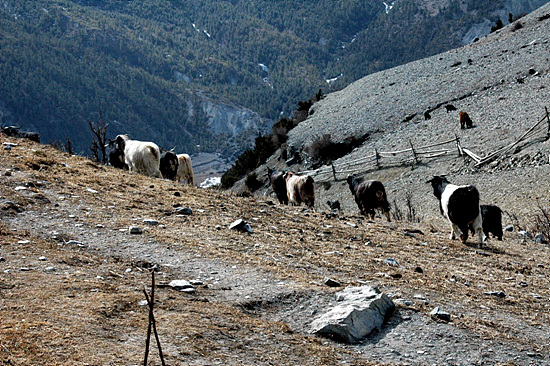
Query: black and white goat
point(460, 205)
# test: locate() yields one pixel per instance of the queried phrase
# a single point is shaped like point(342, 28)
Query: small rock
point(241, 225)
point(177, 194)
point(391, 262)
point(181, 285)
point(495, 293)
point(23, 242)
point(49, 269)
point(331, 283)
point(509, 228)
point(540, 239)
point(184, 211)
point(74, 242)
point(419, 270)
point(150, 222)
point(403, 302)
point(42, 258)
point(91, 190)
point(135, 230)
point(438, 314)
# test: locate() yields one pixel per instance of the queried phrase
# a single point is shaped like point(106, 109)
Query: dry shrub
point(541, 223)
point(410, 212)
point(252, 182)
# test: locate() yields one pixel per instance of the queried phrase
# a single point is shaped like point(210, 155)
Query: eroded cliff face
point(233, 120)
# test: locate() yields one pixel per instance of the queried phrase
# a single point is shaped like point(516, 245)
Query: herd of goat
point(146, 158)
point(459, 204)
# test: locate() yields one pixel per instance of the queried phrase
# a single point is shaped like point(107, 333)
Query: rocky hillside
point(501, 81)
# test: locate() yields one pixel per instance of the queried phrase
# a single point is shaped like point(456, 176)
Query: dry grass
point(87, 312)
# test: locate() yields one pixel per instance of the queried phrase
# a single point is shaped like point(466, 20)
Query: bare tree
point(99, 130)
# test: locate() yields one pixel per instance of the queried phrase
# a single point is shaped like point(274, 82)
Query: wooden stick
point(151, 303)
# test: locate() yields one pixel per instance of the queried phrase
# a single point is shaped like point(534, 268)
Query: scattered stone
point(2, 259)
point(150, 222)
point(396, 276)
point(42, 258)
point(524, 235)
point(404, 302)
point(177, 194)
point(196, 282)
point(49, 269)
point(485, 254)
point(91, 190)
point(391, 262)
point(8, 173)
point(495, 293)
point(360, 311)
point(241, 225)
point(418, 270)
point(331, 283)
point(438, 314)
point(182, 286)
point(143, 303)
point(23, 242)
point(135, 230)
point(509, 228)
point(25, 269)
point(74, 242)
point(184, 211)
point(540, 239)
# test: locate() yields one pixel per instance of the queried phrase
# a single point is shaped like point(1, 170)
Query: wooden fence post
point(414, 152)
point(377, 156)
point(333, 171)
point(458, 145)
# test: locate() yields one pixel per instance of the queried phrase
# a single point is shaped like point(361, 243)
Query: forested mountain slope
point(208, 73)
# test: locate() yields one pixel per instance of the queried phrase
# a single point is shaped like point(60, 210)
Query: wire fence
point(414, 155)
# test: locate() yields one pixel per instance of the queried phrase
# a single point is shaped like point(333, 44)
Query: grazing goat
point(300, 188)
point(465, 121)
point(369, 195)
point(278, 183)
point(460, 205)
point(169, 165)
point(492, 221)
point(141, 157)
point(450, 107)
point(14, 132)
point(116, 155)
point(185, 169)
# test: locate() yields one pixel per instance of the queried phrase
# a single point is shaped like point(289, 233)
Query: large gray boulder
point(360, 311)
